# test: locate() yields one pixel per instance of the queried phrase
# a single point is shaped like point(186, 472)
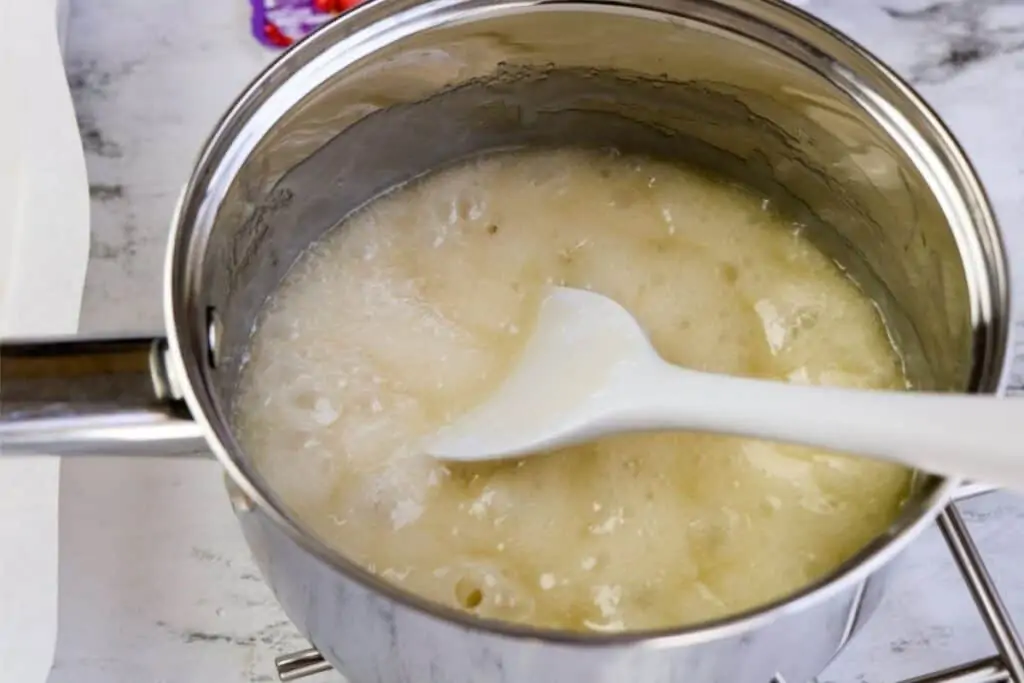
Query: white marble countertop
point(156, 585)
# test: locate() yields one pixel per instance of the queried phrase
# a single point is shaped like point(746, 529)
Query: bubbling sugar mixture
point(417, 307)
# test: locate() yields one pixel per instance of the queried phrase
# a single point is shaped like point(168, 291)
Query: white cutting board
point(44, 249)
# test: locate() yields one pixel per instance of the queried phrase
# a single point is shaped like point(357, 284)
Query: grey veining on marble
point(966, 57)
point(156, 585)
point(956, 35)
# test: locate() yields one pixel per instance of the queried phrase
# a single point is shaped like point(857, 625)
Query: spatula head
point(580, 346)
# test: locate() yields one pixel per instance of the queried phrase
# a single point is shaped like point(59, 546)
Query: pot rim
point(988, 376)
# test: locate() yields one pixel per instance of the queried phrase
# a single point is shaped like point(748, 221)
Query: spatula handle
point(970, 436)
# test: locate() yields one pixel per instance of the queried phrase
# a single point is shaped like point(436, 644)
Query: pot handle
point(93, 397)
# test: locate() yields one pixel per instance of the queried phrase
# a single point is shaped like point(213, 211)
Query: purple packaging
point(279, 23)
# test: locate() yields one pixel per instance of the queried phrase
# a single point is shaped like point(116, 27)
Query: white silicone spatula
point(588, 370)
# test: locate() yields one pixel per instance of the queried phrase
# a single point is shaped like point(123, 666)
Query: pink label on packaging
point(279, 23)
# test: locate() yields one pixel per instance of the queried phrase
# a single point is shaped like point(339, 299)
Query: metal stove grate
point(1006, 667)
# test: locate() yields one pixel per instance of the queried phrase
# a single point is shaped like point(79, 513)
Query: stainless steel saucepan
point(750, 88)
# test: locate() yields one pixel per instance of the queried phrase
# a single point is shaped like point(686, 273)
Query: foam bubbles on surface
point(416, 308)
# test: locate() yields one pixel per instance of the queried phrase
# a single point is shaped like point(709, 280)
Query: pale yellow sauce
point(416, 308)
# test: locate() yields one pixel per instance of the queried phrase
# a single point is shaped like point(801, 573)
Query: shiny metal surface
point(310, 662)
point(989, 670)
point(997, 620)
point(751, 90)
point(971, 489)
point(300, 665)
point(92, 397)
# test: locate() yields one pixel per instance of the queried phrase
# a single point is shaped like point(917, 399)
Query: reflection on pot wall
point(753, 118)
